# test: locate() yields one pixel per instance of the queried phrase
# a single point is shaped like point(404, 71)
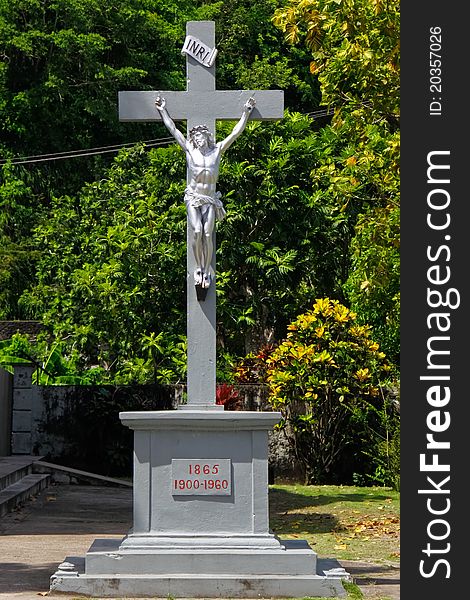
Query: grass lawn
point(344, 522)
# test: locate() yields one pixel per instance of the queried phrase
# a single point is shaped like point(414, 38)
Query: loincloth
point(196, 200)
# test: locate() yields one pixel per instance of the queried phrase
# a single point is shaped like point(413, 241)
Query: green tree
point(112, 254)
point(288, 247)
point(62, 64)
point(355, 46)
point(254, 55)
point(65, 61)
point(326, 378)
point(373, 286)
point(111, 273)
point(355, 53)
point(17, 257)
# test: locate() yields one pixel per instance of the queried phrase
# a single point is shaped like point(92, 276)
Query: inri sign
point(198, 50)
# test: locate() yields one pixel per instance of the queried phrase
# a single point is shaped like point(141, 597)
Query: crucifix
point(200, 484)
point(200, 106)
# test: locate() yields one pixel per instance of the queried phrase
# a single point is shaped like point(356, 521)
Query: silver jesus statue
point(203, 203)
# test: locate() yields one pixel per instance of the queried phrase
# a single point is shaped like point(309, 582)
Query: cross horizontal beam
point(225, 105)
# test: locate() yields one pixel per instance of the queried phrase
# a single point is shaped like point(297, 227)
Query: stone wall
point(283, 465)
point(29, 328)
point(24, 410)
point(79, 426)
point(6, 391)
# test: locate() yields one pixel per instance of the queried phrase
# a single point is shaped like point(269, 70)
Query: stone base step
point(293, 557)
point(21, 490)
point(71, 578)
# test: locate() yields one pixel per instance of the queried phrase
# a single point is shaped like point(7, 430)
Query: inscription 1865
point(201, 477)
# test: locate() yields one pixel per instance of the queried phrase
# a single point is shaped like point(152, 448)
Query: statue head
point(200, 136)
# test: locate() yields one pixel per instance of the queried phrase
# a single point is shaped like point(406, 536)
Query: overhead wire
point(91, 149)
point(38, 158)
point(85, 152)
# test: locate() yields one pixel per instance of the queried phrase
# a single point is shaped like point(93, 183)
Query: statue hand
point(160, 102)
point(250, 104)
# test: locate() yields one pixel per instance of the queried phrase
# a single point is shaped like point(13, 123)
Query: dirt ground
point(65, 519)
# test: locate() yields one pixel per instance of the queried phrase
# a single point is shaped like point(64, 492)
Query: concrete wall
point(24, 406)
point(79, 426)
point(6, 400)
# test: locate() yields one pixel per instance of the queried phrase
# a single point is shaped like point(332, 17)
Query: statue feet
point(206, 280)
point(202, 278)
point(198, 277)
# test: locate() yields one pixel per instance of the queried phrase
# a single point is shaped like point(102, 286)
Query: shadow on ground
point(293, 501)
point(375, 581)
point(287, 510)
point(311, 523)
point(358, 570)
point(25, 577)
point(66, 510)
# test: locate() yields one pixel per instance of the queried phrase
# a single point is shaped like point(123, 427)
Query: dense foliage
point(355, 52)
point(62, 64)
point(111, 275)
point(329, 379)
point(18, 210)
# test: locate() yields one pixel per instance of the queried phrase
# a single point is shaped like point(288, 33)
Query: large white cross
point(201, 104)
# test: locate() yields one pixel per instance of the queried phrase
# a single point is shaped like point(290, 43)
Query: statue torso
point(203, 169)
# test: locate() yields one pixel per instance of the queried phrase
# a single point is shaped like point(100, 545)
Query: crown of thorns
point(199, 129)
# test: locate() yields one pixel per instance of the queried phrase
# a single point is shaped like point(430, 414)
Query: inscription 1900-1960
point(201, 477)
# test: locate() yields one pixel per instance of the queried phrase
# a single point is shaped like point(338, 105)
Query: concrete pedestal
point(201, 524)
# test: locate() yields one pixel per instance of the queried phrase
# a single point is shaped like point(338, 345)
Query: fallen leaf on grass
point(341, 547)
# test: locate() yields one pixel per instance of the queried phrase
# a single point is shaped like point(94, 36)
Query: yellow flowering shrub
point(326, 378)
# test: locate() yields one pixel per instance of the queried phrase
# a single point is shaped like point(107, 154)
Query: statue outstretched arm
point(240, 126)
point(169, 123)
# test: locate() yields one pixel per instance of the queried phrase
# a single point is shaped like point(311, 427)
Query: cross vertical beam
point(201, 316)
